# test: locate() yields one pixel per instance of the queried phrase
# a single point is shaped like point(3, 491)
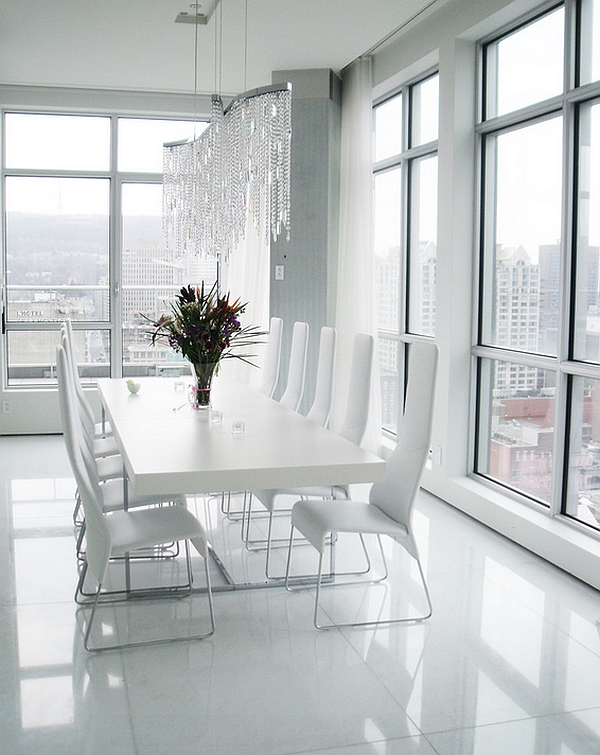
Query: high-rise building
point(517, 316)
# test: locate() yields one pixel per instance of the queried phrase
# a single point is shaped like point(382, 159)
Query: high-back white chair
point(292, 395)
point(101, 446)
point(355, 419)
point(109, 535)
point(353, 428)
point(99, 470)
point(389, 509)
point(272, 358)
point(67, 340)
point(354, 423)
point(320, 411)
point(108, 461)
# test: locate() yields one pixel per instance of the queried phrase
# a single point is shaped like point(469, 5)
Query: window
point(405, 229)
point(83, 229)
point(538, 429)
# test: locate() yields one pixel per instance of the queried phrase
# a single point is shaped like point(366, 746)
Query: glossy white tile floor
point(508, 664)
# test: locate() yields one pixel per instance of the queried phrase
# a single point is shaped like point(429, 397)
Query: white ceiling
point(136, 44)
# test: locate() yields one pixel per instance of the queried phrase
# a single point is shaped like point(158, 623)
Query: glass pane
point(423, 245)
point(582, 501)
point(57, 248)
point(388, 128)
point(424, 111)
point(57, 142)
point(32, 355)
point(523, 247)
point(152, 275)
point(390, 385)
point(586, 344)
point(589, 65)
point(526, 66)
point(387, 214)
point(141, 141)
point(516, 426)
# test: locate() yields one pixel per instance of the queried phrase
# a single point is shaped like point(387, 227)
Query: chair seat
point(102, 430)
point(267, 497)
point(110, 467)
point(112, 497)
point(143, 528)
point(317, 519)
point(105, 446)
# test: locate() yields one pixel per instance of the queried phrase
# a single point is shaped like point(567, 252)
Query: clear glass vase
point(200, 395)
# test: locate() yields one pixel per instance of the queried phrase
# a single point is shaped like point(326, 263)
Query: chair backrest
point(272, 360)
point(359, 389)
point(80, 403)
point(67, 343)
point(292, 396)
point(320, 411)
point(98, 545)
point(396, 495)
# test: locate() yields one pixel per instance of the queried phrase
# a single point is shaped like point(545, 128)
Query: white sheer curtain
point(246, 276)
point(355, 311)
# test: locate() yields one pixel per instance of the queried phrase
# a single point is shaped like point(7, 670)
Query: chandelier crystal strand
point(240, 164)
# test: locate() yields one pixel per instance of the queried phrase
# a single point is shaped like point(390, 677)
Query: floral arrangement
point(205, 328)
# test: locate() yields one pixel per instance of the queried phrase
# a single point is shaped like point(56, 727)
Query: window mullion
point(116, 338)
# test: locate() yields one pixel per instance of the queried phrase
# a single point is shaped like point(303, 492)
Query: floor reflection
point(509, 662)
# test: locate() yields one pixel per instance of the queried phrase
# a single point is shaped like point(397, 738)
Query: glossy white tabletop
point(168, 447)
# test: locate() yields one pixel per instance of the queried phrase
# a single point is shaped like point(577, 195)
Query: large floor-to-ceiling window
point(538, 344)
point(405, 229)
point(83, 240)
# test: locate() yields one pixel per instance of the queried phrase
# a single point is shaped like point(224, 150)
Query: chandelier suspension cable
point(215, 89)
point(246, 46)
point(218, 47)
point(196, 76)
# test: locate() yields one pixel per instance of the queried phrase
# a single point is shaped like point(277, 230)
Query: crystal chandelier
point(239, 165)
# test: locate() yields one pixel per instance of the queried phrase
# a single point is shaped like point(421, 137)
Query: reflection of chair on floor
point(352, 429)
point(389, 509)
point(117, 533)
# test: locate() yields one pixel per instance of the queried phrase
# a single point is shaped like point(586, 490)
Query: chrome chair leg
point(161, 641)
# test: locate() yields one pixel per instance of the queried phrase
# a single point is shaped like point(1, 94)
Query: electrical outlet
point(6, 407)
point(437, 454)
point(279, 272)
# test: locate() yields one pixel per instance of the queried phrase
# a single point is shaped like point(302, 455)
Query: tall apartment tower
point(517, 310)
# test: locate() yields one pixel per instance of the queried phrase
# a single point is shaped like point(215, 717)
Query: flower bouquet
point(205, 328)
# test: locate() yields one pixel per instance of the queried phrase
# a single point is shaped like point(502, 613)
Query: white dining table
point(170, 448)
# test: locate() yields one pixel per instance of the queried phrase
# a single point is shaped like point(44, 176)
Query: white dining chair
point(354, 423)
point(109, 463)
point(272, 358)
point(353, 428)
point(268, 385)
point(103, 444)
point(118, 533)
point(389, 508)
point(77, 446)
point(320, 410)
point(294, 388)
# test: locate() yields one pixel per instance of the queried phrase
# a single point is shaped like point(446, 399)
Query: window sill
point(552, 538)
